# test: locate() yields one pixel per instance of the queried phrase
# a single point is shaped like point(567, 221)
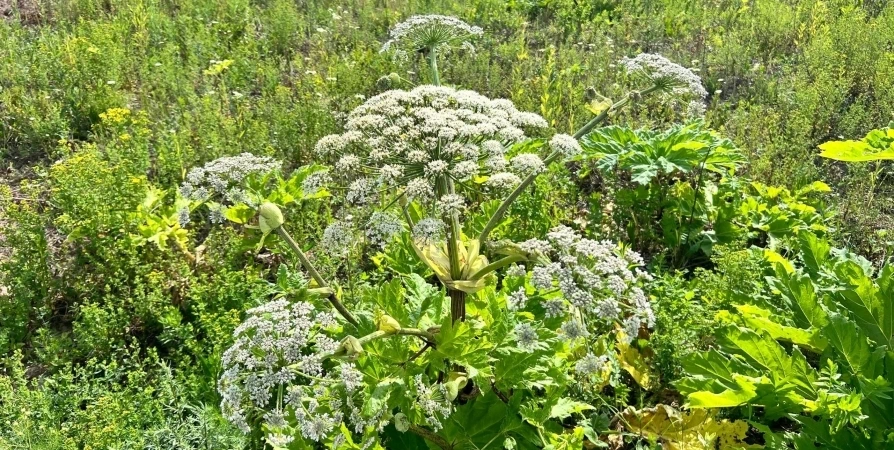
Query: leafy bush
point(818, 358)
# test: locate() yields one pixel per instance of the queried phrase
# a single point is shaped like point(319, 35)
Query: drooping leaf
point(744, 390)
point(634, 363)
point(757, 318)
point(873, 313)
point(677, 430)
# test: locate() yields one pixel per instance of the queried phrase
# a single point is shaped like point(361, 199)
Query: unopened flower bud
point(270, 217)
point(401, 422)
point(351, 347)
point(388, 324)
point(458, 381)
point(390, 81)
point(509, 444)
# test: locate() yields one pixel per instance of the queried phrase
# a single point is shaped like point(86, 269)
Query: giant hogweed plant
point(399, 364)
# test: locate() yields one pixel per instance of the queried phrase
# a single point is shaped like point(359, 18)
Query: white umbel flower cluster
point(566, 145)
point(597, 278)
point(275, 370)
point(419, 142)
point(431, 31)
point(659, 69)
point(222, 178)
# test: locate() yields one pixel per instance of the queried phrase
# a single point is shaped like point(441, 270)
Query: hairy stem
point(457, 305)
point(281, 231)
point(430, 436)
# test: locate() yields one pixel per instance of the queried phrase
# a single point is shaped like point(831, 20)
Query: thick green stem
point(457, 298)
point(433, 64)
point(457, 305)
point(430, 436)
point(496, 265)
point(501, 211)
point(281, 231)
point(429, 338)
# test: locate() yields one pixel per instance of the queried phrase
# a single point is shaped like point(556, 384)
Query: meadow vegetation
point(532, 224)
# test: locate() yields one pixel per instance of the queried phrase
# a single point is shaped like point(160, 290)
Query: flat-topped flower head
point(564, 144)
point(222, 178)
point(415, 142)
point(671, 77)
point(431, 31)
point(597, 278)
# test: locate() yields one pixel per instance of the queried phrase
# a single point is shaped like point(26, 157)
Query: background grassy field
point(122, 345)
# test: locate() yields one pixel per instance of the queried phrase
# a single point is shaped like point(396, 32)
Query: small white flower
point(435, 168)
point(566, 145)
point(527, 163)
point(382, 227)
point(503, 180)
point(517, 300)
point(516, 270)
point(574, 329)
point(337, 238)
point(590, 364)
point(526, 337)
point(419, 189)
point(662, 70)
point(429, 230)
point(451, 203)
point(348, 163)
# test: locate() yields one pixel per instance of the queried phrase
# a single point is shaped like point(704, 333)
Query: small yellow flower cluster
point(115, 116)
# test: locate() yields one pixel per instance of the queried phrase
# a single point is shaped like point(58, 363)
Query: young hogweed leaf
point(847, 340)
point(764, 353)
point(462, 344)
point(872, 311)
point(756, 318)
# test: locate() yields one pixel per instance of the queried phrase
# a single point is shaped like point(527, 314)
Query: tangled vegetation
point(480, 225)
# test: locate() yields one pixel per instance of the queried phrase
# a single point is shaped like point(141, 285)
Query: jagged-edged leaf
point(718, 368)
point(461, 344)
point(845, 337)
point(763, 353)
point(484, 424)
point(566, 441)
point(426, 302)
point(775, 258)
point(634, 363)
point(380, 395)
point(566, 407)
point(800, 294)
point(757, 318)
point(872, 312)
point(743, 390)
point(815, 251)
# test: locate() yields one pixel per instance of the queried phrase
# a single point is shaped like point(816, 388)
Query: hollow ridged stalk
point(433, 64)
